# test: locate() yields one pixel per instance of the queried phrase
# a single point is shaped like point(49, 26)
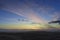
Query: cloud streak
point(23, 10)
point(26, 9)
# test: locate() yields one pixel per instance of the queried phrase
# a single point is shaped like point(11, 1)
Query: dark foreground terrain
point(31, 35)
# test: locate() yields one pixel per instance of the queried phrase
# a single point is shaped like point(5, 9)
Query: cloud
point(50, 12)
point(23, 10)
point(27, 9)
point(55, 16)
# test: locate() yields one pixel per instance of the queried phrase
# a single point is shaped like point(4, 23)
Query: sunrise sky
point(28, 14)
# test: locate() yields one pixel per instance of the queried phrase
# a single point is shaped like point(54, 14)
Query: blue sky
point(36, 10)
point(40, 7)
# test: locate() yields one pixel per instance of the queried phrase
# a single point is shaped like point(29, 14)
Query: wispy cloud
point(25, 9)
point(55, 16)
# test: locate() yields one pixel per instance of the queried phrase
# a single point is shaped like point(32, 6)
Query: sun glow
point(25, 26)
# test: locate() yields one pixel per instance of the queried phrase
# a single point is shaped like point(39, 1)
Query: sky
point(16, 13)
